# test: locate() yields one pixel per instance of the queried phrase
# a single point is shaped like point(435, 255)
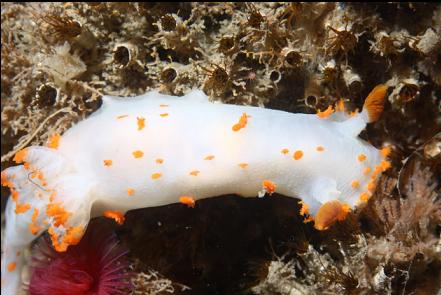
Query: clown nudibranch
point(156, 149)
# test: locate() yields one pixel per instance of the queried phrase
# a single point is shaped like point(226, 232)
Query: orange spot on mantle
point(12, 266)
point(187, 200)
point(156, 175)
point(138, 154)
point(243, 120)
point(361, 157)
point(141, 123)
point(269, 186)
point(298, 155)
point(54, 141)
point(326, 113)
point(107, 163)
point(115, 215)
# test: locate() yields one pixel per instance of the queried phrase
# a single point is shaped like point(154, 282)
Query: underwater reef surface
point(59, 59)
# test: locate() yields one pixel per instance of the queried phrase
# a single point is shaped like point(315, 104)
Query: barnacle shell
point(47, 95)
point(125, 54)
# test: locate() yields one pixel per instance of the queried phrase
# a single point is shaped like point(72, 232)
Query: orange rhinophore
point(329, 213)
point(298, 155)
point(141, 123)
point(326, 113)
point(54, 141)
point(243, 120)
point(374, 103)
point(269, 186)
point(107, 163)
point(187, 200)
point(115, 215)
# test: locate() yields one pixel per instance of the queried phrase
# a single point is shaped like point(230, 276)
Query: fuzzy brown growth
point(374, 103)
point(329, 213)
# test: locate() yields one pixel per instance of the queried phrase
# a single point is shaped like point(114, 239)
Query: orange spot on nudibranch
point(355, 184)
point(243, 120)
point(326, 113)
point(385, 165)
point(243, 165)
point(209, 157)
point(159, 161)
point(138, 154)
point(371, 186)
point(285, 151)
point(320, 148)
point(12, 266)
point(298, 155)
point(385, 152)
point(329, 213)
point(54, 141)
point(130, 191)
point(361, 157)
point(194, 172)
point(156, 175)
point(107, 163)
point(269, 186)
point(141, 123)
point(115, 215)
point(364, 197)
point(187, 200)
point(340, 106)
point(164, 115)
point(304, 210)
point(367, 170)
point(374, 102)
point(58, 212)
point(20, 156)
point(22, 208)
point(33, 227)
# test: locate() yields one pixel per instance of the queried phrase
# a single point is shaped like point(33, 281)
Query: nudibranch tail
point(47, 193)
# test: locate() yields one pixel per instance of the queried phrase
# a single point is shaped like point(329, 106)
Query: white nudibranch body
point(156, 149)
